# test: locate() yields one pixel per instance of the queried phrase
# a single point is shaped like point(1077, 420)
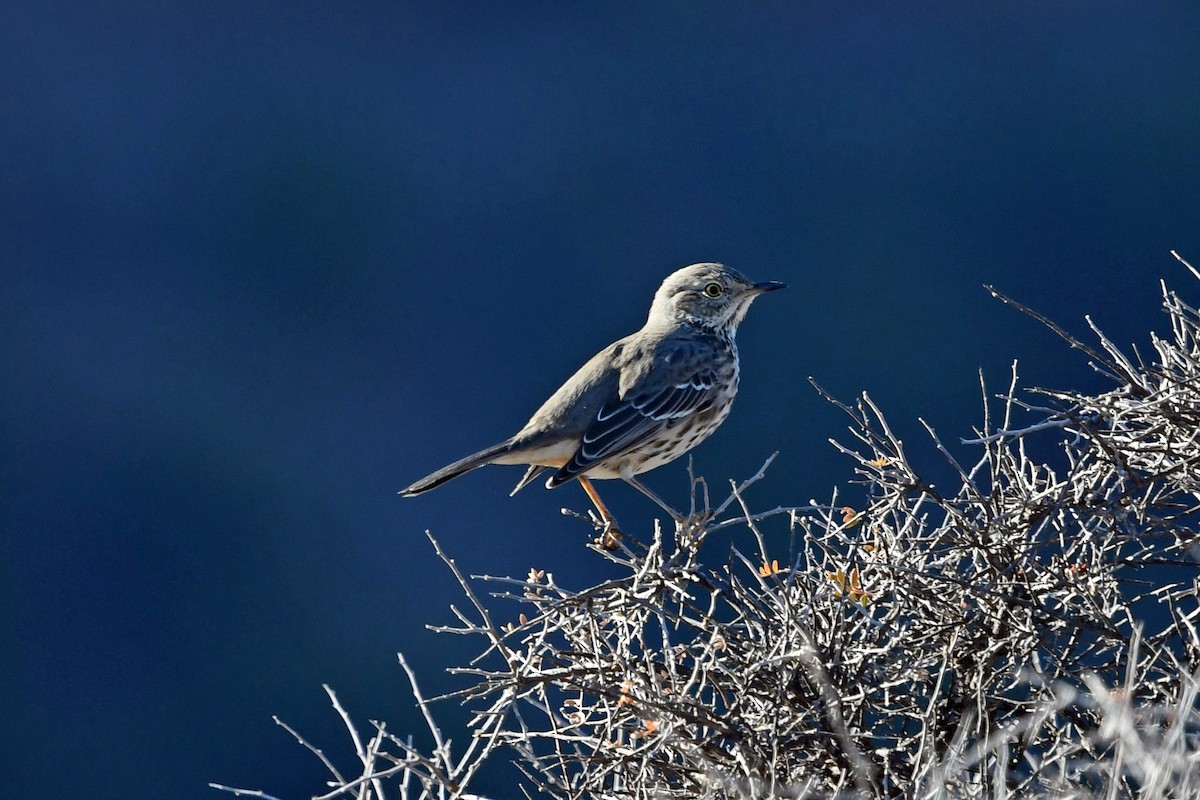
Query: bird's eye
point(714, 290)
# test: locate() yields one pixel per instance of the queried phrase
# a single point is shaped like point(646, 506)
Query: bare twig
point(1029, 629)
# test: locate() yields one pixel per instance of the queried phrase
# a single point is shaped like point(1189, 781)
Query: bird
point(640, 403)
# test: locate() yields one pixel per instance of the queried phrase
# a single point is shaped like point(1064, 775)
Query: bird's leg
point(628, 477)
point(611, 533)
point(689, 527)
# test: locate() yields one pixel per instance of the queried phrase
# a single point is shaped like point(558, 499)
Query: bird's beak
point(768, 286)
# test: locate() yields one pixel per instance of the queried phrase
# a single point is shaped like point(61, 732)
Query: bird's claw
point(691, 529)
point(610, 535)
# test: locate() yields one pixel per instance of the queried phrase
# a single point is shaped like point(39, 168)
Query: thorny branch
point(1031, 633)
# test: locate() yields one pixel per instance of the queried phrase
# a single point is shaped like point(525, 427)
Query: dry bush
point(1030, 633)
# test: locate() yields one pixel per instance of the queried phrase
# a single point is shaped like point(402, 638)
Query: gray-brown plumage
point(641, 402)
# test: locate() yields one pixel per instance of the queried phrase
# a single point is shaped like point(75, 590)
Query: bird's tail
point(452, 471)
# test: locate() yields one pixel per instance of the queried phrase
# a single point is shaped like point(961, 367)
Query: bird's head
point(709, 296)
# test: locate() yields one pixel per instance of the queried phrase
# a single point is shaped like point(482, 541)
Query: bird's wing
point(623, 423)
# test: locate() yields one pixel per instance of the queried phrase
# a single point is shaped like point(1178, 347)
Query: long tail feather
point(451, 471)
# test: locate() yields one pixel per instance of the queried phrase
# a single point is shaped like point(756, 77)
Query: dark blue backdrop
point(263, 265)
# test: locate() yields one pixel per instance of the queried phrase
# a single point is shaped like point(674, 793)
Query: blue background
point(263, 265)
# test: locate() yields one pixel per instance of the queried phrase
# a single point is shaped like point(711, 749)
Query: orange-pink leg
point(611, 534)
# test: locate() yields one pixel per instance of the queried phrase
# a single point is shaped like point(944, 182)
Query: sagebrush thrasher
point(641, 402)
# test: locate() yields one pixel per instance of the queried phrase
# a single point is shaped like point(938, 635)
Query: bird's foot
point(691, 529)
point(610, 535)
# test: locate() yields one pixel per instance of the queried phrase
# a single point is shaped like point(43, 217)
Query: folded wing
point(624, 423)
